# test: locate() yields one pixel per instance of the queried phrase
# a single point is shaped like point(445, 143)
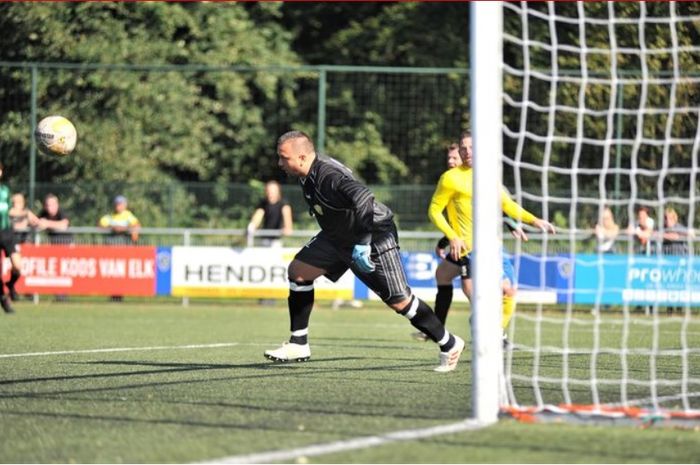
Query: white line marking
point(351, 444)
point(122, 349)
point(189, 346)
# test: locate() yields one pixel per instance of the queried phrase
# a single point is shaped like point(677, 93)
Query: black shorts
point(8, 242)
point(464, 264)
point(388, 280)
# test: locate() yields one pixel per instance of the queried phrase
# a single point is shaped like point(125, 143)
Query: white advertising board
point(258, 272)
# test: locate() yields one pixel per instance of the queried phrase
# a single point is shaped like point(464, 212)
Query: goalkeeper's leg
point(445, 273)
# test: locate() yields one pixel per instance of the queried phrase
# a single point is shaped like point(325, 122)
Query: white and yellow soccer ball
point(56, 135)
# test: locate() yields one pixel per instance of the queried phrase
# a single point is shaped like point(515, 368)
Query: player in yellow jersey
point(454, 194)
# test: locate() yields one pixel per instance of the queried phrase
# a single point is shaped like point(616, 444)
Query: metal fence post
point(618, 136)
point(186, 236)
point(321, 126)
point(32, 143)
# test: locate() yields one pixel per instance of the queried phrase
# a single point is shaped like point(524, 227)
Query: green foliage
point(361, 149)
point(145, 125)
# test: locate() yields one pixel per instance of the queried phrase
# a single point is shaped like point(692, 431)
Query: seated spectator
point(606, 231)
point(123, 224)
point(21, 218)
point(54, 221)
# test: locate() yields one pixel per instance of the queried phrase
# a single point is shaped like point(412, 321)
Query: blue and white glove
point(361, 257)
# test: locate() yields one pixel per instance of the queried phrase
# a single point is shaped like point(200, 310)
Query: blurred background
point(178, 106)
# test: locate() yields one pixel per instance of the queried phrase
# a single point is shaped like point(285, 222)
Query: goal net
point(601, 119)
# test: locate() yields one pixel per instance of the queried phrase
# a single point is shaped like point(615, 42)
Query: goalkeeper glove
point(361, 258)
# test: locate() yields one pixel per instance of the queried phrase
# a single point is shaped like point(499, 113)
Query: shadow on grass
point(255, 370)
point(261, 370)
point(168, 367)
point(154, 421)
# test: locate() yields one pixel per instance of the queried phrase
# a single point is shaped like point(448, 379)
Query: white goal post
point(486, 51)
point(595, 111)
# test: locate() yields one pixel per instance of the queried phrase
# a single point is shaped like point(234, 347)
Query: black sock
point(301, 301)
point(422, 317)
point(443, 300)
point(14, 276)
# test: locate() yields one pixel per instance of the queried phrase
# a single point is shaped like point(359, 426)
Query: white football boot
point(449, 359)
point(289, 352)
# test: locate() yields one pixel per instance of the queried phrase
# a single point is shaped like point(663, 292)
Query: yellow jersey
point(454, 193)
point(124, 219)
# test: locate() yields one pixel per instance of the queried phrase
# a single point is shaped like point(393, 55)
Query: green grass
point(366, 377)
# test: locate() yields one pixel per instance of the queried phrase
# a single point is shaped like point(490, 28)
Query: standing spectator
point(675, 235)
point(674, 241)
point(273, 212)
point(606, 231)
point(124, 226)
point(8, 244)
point(642, 231)
point(21, 218)
point(54, 221)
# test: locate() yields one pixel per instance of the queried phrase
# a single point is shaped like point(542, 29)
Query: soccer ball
point(56, 135)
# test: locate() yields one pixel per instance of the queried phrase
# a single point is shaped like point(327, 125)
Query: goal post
point(486, 51)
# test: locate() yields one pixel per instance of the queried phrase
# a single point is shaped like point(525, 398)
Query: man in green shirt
point(9, 245)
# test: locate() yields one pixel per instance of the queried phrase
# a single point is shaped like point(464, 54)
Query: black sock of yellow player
point(443, 300)
point(301, 301)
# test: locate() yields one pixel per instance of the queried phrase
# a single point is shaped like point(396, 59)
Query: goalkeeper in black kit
point(358, 233)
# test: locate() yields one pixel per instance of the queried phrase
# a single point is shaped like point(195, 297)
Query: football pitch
point(157, 382)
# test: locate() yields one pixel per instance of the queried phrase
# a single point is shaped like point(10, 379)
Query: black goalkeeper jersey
point(344, 208)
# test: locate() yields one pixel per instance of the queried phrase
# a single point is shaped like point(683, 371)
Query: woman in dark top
point(273, 212)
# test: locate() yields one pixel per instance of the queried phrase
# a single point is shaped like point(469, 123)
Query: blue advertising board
point(163, 271)
point(546, 278)
point(637, 279)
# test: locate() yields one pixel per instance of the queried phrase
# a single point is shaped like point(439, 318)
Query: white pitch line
point(351, 444)
point(121, 349)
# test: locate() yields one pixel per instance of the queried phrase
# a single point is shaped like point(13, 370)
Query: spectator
point(21, 218)
point(124, 226)
point(606, 231)
point(642, 231)
point(54, 221)
point(674, 241)
point(273, 212)
point(675, 236)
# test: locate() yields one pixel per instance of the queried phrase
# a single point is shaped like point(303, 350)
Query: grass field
point(156, 382)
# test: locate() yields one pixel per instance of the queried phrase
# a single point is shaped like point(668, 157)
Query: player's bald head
point(296, 153)
point(299, 141)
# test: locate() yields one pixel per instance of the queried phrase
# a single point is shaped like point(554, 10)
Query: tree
point(143, 125)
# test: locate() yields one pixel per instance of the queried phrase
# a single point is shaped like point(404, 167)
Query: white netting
point(602, 109)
